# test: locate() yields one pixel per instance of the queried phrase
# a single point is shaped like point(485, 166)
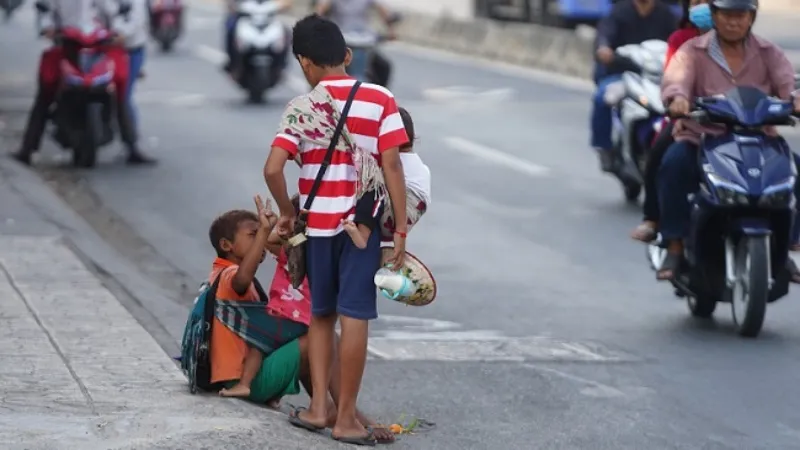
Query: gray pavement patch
point(84, 374)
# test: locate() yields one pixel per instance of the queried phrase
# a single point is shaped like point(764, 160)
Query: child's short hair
point(319, 40)
point(409, 126)
point(226, 226)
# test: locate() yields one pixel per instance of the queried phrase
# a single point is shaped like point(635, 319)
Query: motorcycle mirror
point(42, 7)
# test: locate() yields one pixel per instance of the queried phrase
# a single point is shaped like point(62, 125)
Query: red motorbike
point(166, 22)
point(86, 100)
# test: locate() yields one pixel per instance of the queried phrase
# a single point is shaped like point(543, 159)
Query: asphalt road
point(549, 331)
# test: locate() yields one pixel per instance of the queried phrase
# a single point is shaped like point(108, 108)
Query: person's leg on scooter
point(49, 75)
point(647, 230)
point(601, 125)
point(230, 42)
point(127, 126)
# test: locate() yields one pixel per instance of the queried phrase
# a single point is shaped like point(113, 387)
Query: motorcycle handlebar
point(702, 117)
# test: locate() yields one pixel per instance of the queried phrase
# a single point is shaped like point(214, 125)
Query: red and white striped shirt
point(375, 125)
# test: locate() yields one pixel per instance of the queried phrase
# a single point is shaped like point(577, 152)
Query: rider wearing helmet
point(728, 56)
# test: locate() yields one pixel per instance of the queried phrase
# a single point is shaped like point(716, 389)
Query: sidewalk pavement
point(77, 371)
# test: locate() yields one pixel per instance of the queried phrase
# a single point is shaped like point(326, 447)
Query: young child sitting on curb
point(259, 379)
point(418, 192)
point(241, 257)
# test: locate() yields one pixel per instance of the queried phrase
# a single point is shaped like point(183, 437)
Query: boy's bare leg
point(358, 233)
point(382, 434)
point(320, 353)
point(252, 364)
point(352, 359)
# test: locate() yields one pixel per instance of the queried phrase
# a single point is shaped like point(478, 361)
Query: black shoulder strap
point(337, 133)
point(262, 295)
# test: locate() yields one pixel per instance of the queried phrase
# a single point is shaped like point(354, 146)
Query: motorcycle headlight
point(778, 195)
point(728, 193)
point(614, 93)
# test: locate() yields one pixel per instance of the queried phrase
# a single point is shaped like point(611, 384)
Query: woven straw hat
point(419, 274)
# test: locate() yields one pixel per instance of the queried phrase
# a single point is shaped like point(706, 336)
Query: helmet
point(735, 5)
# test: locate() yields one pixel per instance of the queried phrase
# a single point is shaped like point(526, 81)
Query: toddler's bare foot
point(237, 391)
point(352, 229)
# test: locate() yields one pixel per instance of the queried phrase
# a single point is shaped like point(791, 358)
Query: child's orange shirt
point(228, 350)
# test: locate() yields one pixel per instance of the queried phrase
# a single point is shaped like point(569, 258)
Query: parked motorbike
point(637, 110)
point(166, 22)
point(8, 7)
point(260, 39)
point(85, 103)
point(742, 214)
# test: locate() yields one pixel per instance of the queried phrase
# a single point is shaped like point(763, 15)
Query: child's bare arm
point(274, 243)
point(246, 272)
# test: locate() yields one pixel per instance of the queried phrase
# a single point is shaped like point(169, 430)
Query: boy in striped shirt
point(340, 275)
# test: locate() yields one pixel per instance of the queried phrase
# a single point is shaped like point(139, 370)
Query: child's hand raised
point(266, 216)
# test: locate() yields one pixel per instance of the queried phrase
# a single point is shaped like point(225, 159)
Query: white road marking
point(496, 156)
point(591, 388)
point(467, 93)
point(458, 348)
point(210, 54)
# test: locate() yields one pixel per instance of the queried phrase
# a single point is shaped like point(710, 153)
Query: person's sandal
point(794, 271)
point(670, 267)
point(644, 232)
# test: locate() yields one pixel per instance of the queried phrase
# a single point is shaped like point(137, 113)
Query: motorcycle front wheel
point(751, 290)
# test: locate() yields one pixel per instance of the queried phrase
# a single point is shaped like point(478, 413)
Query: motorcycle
point(379, 68)
point(261, 39)
point(742, 213)
point(85, 103)
point(637, 110)
point(166, 22)
point(8, 7)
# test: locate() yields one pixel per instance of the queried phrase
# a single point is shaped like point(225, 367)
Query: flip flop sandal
point(364, 441)
point(671, 264)
point(794, 272)
point(295, 420)
point(644, 233)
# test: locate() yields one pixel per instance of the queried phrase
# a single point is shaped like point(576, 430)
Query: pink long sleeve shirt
point(699, 69)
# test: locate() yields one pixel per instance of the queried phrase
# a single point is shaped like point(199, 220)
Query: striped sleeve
point(392, 133)
point(287, 140)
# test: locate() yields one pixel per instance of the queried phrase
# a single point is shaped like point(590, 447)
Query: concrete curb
point(552, 49)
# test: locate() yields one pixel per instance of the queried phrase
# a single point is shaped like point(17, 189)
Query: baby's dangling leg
point(358, 233)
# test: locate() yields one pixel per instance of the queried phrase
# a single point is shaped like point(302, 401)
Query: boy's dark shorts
point(341, 275)
point(367, 209)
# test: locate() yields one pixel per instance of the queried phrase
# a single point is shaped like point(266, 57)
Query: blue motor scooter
point(742, 213)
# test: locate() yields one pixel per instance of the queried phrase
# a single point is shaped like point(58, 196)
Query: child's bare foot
point(352, 229)
point(237, 391)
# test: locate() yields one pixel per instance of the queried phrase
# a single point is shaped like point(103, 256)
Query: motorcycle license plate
point(261, 60)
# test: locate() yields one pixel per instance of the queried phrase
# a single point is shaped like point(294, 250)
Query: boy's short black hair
point(226, 226)
point(320, 40)
point(409, 126)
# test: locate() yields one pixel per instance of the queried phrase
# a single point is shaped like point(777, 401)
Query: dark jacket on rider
point(699, 69)
point(624, 26)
